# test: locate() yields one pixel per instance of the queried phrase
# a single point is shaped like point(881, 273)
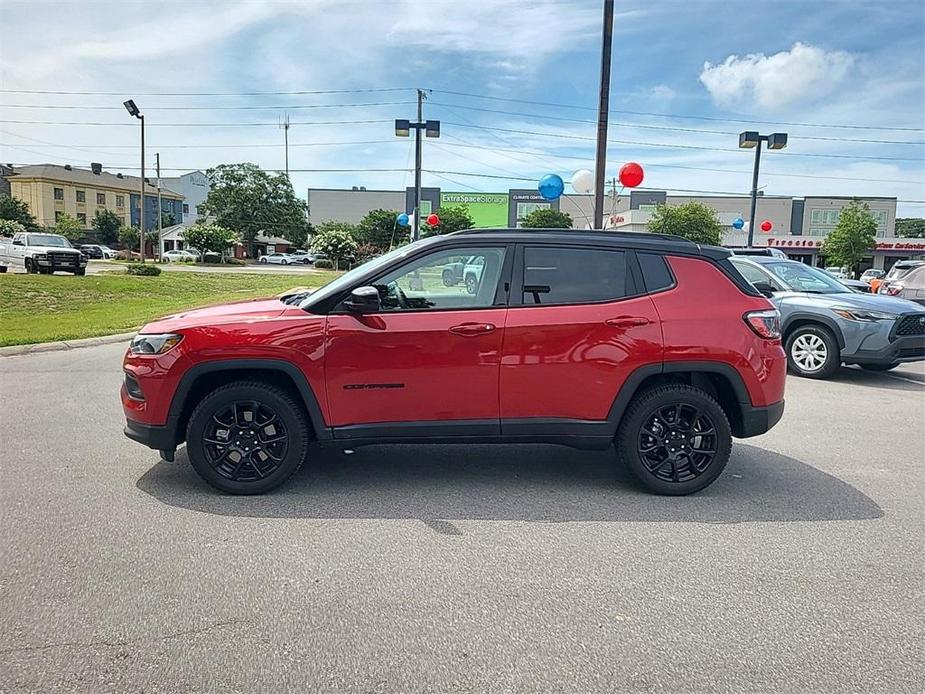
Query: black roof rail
point(601, 232)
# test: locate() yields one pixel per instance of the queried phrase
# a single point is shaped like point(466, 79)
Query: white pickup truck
point(38, 252)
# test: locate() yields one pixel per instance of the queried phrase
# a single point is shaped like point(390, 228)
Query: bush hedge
point(149, 269)
point(324, 264)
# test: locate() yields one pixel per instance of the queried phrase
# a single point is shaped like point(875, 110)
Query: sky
point(513, 82)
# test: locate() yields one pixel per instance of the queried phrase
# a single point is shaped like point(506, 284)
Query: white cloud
point(804, 72)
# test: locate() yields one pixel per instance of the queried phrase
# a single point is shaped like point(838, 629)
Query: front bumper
point(757, 420)
point(160, 438)
point(902, 349)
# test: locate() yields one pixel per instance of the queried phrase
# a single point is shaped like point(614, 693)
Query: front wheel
point(263, 260)
point(448, 279)
point(812, 352)
point(247, 437)
point(675, 439)
point(81, 272)
point(472, 284)
point(283, 262)
point(30, 268)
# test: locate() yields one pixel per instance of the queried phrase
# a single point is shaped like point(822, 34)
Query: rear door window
point(556, 275)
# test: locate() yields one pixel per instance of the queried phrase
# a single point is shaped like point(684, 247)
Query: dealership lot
point(451, 569)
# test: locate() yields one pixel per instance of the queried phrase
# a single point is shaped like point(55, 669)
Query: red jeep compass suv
point(650, 343)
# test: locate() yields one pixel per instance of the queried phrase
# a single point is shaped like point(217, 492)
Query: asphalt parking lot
point(460, 569)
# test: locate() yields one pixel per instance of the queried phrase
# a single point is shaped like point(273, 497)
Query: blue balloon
point(403, 219)
point(551, 186)
point(738, 223)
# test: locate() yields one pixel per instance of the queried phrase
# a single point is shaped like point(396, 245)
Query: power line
point(208, 108)
point(676, 146)
point(198, 125)
point(676, 115)
point(290, 93)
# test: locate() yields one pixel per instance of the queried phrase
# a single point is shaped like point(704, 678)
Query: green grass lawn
point(43, 308)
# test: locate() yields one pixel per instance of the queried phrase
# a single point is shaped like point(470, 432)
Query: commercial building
point(194, 187)
point(798, 225)
point(51, 190)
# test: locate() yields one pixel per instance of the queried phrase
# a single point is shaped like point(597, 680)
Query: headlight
point(862, 314)
point(40, 256)
point(154, 344)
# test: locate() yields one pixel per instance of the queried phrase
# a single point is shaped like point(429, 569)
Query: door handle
point(472, 329)
point(626, 321)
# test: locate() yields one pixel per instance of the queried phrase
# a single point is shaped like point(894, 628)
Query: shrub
point(148, 269)
point(324, 264)
point(228, 261)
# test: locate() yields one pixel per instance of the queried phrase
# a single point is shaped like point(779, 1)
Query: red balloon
point(433, 220)
point(631, 174)
point(766, 226)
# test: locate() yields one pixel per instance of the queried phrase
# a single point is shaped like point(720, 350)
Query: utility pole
point(602, 115)
point(748, 140)
point(431, 128)
point(141, 203)
point(284, 124)
point(160, 242)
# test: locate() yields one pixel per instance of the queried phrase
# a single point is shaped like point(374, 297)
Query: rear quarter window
point(655, 272)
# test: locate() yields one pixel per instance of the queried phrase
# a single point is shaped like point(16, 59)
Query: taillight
point(764, 324)
point(894, 289)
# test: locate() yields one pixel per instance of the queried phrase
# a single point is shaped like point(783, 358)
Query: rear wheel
point(448, 280)
point(812, 352)
point(472, 284)
point(675, 439)
point(284, 262)
point(247, 437)
point(263, 260)
point(879, 367)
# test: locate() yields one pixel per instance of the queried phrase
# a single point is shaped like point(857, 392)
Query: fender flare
point(827, 321)
point(178, 402)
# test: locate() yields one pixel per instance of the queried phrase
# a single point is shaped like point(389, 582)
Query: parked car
point(464, 269)
point(839, 273)
point(304, 257)
point(764, 251)
point(588, 339)
point(42, 253)
point(859, 286)
point(898, 271)
point(871, 274)
point(910, 286)
point(92, 251)
point(108, 253)
point(825, 324)
point(175, 256)
point(279, 258)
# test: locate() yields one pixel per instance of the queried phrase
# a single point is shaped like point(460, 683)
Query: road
point(460, 569)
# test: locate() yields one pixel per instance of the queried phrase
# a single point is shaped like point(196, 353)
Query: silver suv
point(824, 324)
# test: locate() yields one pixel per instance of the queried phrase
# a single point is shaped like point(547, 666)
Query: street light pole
point(602, 116)
point(160, 214)
point(133, 111)
point(431, 128)
point(751, 139)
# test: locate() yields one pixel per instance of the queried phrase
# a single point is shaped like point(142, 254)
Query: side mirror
point(765, 288)
point(363, 300)
point(18, 242)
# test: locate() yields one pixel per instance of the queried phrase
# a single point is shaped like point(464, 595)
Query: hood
point(54, 249)
point(248, 311)
point(871, 302)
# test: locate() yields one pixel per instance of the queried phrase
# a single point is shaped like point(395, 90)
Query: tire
point(812, 352)
point(30, 269)
point(263, 260)
point(879, 367)
point(225, 466)
point(472, 284)
point(283, 262)
point(2, 269)
point(448, 279)
point(703, 438)
point(81, 272)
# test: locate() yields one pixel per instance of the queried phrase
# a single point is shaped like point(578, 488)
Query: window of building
point(185, 208)
point(120, 201)
point(525, 208)
point(572, 275)
point(58, 214)
point(59, 193)
point(195, 209)
point(816, 216)
point(101, 198)
point(82, 218)
point(426, 208)
point(81, 196)
point(816, 231)
point(831, 216)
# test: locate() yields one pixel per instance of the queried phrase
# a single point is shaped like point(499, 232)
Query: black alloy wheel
point(247, 437)
point(674, 438)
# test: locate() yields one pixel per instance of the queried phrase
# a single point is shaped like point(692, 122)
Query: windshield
point(803, 278)
point(339, 284)
point(48, 240)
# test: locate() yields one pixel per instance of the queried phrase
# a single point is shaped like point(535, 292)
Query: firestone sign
point(880, 246)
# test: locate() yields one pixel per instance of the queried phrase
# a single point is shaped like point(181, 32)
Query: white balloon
point(582, 181)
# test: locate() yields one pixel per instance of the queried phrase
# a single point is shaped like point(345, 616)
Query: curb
point(16, 350)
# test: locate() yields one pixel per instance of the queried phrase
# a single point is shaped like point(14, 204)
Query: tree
point(379, 228)
point(853, 236)
point(69, 227)
point(106, 223)
point(911, 227)
point(16, 210)
point(248, 200)
point(693, 221)
point(452, 219)
point(167, 220)
point(128, 237)
point(210, 237)
point(336, 240)
point(8, 227)
point(546, 218)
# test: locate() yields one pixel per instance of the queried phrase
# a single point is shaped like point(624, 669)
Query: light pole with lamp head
point(431, 128)
point(751, 139)
point(133, 111)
